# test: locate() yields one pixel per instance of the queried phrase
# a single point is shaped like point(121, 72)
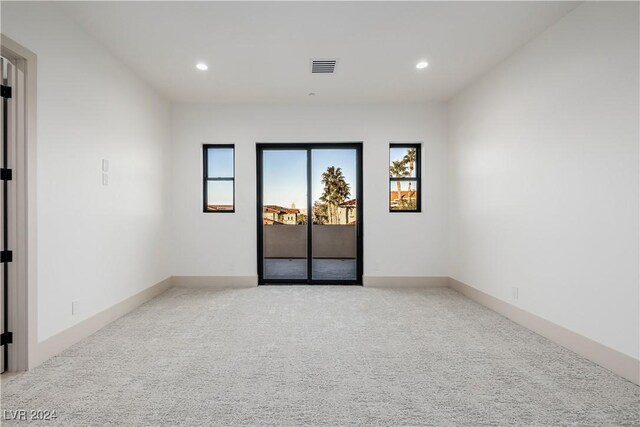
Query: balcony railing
point(329, 241)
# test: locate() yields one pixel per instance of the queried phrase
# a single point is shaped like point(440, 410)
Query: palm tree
point(336, 191)
point(398, 169)
point(410, 159)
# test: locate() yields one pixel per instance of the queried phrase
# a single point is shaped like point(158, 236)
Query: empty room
point(323, 213)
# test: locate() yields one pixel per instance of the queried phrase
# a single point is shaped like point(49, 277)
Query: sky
point(220, 165)
point(285, 174)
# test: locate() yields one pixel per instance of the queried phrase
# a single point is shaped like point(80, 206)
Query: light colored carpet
point(321, 356)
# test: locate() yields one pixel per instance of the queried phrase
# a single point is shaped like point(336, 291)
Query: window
point(404, 177)
point(219, 181)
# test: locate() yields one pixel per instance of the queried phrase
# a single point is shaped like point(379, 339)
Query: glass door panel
point(284, 215)
point(334, 214)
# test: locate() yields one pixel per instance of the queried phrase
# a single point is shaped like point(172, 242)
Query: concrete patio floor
point(323, 269)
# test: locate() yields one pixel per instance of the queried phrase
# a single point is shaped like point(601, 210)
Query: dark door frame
point(6, 337)
point(308, 147)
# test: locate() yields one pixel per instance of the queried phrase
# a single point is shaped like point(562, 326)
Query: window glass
point(404, 178)
point(219, 179)
point(220, 163)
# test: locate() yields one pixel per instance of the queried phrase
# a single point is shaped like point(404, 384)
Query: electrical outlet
point(514, 292)
point(75, 307)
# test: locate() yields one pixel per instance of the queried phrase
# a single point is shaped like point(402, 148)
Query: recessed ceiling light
point(202, 66)
point(422, 64)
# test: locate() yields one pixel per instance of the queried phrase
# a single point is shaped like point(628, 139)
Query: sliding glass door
point(309, 213)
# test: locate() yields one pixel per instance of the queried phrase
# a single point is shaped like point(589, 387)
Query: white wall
point(544, 176)
point(96, 244)
point(205, 244)
point(543, 181)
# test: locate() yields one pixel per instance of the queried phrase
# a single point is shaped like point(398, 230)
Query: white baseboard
point(58, 343)
point(215, 281)
point(252, 281)
point(613, 360)
point(405, 282)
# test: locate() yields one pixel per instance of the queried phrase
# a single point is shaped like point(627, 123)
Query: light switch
point(105, 165)
point(105, 179)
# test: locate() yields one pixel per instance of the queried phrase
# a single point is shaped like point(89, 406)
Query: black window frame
point(417, 178)
point(206, 178)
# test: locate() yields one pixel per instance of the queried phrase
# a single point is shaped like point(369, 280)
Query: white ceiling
point(259, 52)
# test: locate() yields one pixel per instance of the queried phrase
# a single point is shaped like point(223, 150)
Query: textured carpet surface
point(321, 356)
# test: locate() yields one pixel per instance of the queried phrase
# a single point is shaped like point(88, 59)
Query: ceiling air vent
point(323, 66)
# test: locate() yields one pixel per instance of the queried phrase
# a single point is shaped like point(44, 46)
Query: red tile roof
point(280, 209)
point(404, 194)
point(349, 204)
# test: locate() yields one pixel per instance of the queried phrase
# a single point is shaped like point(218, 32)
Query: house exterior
point(347, 212)
point(274, 215)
